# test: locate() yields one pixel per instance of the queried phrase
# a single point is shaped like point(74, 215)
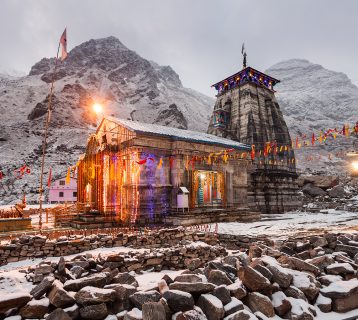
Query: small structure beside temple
point(246, 110)
point(143, 173)
point(62, 192)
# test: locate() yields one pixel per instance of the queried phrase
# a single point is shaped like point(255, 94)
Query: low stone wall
point(13, 224)
point(28, 247)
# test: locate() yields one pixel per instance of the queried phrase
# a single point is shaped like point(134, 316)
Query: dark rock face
point(172, 116)
point(95, 312)
point(13, 301)
point(179, 300)
point(211, 306)
point(139, 298)
point(313, 190)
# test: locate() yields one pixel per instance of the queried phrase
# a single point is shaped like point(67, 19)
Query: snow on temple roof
point(178, 134)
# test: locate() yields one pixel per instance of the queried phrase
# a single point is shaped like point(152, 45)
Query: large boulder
point(258, 302)
point(94, 312)
point(313, 191)
point(125, 278)
point(280, 303)
point(59, 297)
point(298, 264)
point(241, 315)
point(191, 278)
point(193, 288)
point(300, 310)
point(233, 306)
point(42, 288)
point(223, 294)
point(344, 295)
point(92, 295)
point(237, 289)
point(211, 306)
point(280, 275)
point(336, 192)
point(97, 280)
point(307, 284)
point(253, 280)
point(324, 182)
point(324, 303)
point(218, 277)
point(153, 310)
point(58, 314)
point(340, 269)
point(13, 300)
point(179, 300)
point(138, 298)
point(35, 309)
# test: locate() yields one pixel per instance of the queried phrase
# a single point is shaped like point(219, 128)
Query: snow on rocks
point(266, 283)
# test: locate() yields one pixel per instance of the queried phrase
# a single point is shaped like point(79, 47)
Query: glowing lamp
point(355, 166)
point(97, 108)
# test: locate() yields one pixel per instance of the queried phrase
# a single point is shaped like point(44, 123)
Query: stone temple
point(246, 110)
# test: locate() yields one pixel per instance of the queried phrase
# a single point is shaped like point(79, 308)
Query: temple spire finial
point(244, 54)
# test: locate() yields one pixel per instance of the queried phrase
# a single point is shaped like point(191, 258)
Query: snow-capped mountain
point(312, 99)
point(101, 70)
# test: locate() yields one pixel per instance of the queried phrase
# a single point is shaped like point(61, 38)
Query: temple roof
point(177, 134)
point(246, 74)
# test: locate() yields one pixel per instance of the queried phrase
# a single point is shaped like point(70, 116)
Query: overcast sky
point(200, 39)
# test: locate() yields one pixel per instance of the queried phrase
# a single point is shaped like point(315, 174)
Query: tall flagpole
point(44, 143)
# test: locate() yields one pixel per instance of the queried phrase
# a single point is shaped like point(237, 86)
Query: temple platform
point(15, 224)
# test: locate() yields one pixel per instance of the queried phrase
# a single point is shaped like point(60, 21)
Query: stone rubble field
point(312, 277)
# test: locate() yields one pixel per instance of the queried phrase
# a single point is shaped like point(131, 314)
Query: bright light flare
point(355, 166)
point(97, 108)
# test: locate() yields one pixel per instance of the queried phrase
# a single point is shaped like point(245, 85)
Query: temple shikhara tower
point(246, 110)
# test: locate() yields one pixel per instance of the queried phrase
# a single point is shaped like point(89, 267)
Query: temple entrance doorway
point(209, 188)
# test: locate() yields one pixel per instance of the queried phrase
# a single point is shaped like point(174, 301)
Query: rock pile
point(293, 280)
point(36, 246)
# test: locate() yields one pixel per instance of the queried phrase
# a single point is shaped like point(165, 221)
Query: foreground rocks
point(292, 279)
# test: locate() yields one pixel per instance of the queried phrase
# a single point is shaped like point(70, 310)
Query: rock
point(218, 277)
point(193, 288)
point(168, 279)
point(13, 300)
point(61, 266)
point(153, 310)
point(195, 314)
point(324, 303)
point(179, 300)
point(58, 314)
point(162, 286)
point(42, 288)
point(300, 310)
point(340, 269)
point(59, 297)
point(211, 306)
point(264, 271)
point(328, 279)
point(241, 315)
point(223, 294)
point(280, 303)
point(97, 280)
point(336, 192)
point(134, 314)
point(191, 278)
point(252, 279)
point(280, 275)
point(237, 289)
point(94, 312)
point(122, 291)
point(313, 191)
point(258, 302)
point(233, 306)
point(298, 264)
point(322, 262)
point(344, 295)
point(92, 295)
point(306, 283)
point(320, 181)
point(73, 311)
point(294, 292)
point(138, 298)
point(35, 309)
point(351, 250)
point(125, 278)
point(318, 241)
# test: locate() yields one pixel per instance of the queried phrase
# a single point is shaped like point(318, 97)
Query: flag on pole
point(243, 48)
point(68, 176)
point(63, 42)
point(49, 178)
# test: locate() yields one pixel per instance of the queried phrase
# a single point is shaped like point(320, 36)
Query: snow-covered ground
point(293, 223)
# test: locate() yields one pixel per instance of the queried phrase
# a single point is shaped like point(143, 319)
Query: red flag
point(63, 42)
point(313, 139)
point(49, 178)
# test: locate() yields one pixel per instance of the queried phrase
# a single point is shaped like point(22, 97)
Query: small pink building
point(60, 192)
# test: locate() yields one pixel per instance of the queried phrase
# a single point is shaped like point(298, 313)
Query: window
point(60, 194)
point(62, 182)
point(75, 194)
